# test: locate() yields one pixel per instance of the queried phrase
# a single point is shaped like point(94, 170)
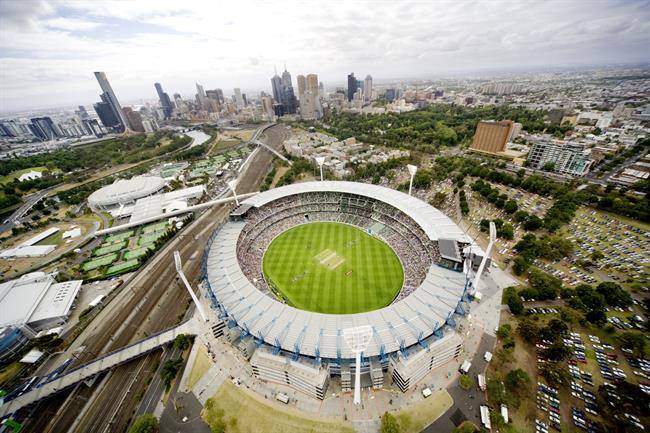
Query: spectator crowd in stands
point(413, 247)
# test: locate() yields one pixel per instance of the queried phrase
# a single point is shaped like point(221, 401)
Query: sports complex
point(318, 281)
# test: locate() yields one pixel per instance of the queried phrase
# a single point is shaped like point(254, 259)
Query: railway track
point(152, 301)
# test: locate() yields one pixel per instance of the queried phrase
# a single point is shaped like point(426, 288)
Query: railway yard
point(149, 301)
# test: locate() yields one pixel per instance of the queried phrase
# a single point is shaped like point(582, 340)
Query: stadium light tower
point(412, 170)
point(320, 160)
point(357, 340)
point(179, 269)
point(493, 236)
point(232, 184)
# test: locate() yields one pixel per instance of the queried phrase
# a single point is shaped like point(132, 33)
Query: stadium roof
point(126, 191)
point(396, 327)
point(434, 223)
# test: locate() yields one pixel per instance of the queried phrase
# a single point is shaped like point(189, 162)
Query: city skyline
point(62, 43)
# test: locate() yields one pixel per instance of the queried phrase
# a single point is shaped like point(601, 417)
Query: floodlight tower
point(357, 340)
point(232, 184)
point(412, 170)
point(493, 236)
point(179, 269)
point(320, 160)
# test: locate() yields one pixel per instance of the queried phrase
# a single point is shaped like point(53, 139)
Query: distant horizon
point(50, 48)
point(482, 74)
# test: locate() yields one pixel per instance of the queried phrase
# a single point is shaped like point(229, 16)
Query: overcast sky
point(49, 50)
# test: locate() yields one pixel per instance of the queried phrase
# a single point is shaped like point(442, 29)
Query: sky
point(50, 49)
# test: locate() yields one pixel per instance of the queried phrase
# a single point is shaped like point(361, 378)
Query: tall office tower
point(134, 118)
point(491, 137)
point(267, 106)
point(199, 90)
point(201, 97)
point(283, 94)
point(239, 101)
point(220, 97)
point(352, 86)
point(302, 87)
point(367, 88)
point(314, 97)
point(390, 95)
point(44, 128)
point(109, 97)
point(106, 115)
point(165, 102)
point(321, 90)
point(82, 113)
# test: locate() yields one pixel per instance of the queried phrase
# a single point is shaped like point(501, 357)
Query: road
point(31, 200)
point(151, 301)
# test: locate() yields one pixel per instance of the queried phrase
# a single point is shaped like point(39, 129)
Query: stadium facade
point(416, 333)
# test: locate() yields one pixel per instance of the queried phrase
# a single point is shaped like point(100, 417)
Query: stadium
point(298, 271)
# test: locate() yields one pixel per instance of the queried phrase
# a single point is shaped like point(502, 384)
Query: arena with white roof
point(406, 339)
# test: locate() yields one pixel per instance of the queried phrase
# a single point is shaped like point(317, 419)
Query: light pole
point(320, 160)
point(357, 340)
point(412, 170)
point(232, 184)
point(493, 237)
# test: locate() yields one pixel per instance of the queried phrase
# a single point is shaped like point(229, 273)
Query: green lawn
point(333, 268)
point(249, 413)
point(16, 174)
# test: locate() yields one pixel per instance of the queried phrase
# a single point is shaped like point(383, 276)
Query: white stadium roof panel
point(126, 191)
point(434, 223)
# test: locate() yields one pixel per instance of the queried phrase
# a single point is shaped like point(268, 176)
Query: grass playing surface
point(333, 268)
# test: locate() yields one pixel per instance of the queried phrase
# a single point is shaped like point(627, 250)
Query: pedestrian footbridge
point(96, 366)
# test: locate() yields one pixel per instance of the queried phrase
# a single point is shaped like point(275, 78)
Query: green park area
point(16, 174)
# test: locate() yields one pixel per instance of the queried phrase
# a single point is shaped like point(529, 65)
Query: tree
point(555, 373)
point(528, 330)
point(389, 423)
point(146, 423)
point(504, 331)
point(634, 341)
point(517, 380)
point(614, 294)
point(510, 206)
point(465, 381)
point(169, 370)
point(182, 342)
point(533, 223)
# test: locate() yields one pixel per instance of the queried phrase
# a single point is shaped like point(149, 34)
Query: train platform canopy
point(37, 301)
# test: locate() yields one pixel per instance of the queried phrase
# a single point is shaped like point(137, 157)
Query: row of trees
point(530, 247)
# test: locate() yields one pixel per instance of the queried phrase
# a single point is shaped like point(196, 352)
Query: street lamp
point(232, 184)
point(412, 170)
point(320, 160)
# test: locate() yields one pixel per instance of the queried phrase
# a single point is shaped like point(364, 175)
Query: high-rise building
point(492, 137)
point(107, 115)
point(134, 118)
point(560, 157)
point(367, 88)
point(283, 93)
point(239, 101)
point(109, 97)
point(302, 88)
point(352, 86)
point(82, 113)
point(44, 128)
point(165, 102)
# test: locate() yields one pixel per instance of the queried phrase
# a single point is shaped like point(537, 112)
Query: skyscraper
point(352, 86)
point(367, 88)
point(239, 101)
point(165, 102)
point(106, 115)
point(44, 128)
point(135, 119)
point(302, 87)
point(283, 93)
point(109, 97)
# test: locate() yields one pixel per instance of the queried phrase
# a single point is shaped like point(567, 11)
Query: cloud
point(48, 50)
point(71, 24)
